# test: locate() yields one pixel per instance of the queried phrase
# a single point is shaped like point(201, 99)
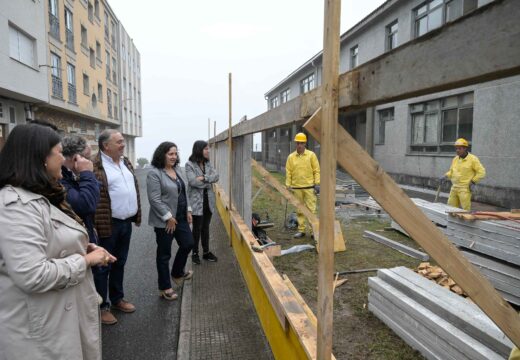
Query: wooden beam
point(369, 174)
point(443, 59)
point(328, 165)
point(339, 242)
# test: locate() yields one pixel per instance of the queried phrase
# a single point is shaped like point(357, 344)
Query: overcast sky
point(189, 47)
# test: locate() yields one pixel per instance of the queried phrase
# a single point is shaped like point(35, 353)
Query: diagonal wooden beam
point(369, 174)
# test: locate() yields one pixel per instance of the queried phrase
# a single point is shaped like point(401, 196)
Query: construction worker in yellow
point(465, 171)
point(302, 176)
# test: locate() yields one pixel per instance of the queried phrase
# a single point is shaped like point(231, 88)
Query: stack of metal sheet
point(433, 320)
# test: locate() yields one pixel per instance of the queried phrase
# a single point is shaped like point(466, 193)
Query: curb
point(184, 344)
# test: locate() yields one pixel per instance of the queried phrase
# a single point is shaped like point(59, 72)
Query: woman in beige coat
point(48, 302)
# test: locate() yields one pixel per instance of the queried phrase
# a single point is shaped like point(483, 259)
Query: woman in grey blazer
point(201, 175)
point(170, 215)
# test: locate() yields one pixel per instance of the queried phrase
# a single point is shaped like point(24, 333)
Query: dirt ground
point(358, 334)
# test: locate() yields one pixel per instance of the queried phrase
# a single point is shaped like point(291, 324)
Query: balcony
point(69, 39)
point(54, 26)
point(72, 94)
point(57, 87)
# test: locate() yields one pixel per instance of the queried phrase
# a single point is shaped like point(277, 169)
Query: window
point(113, 39)
point(90, 12)
point(123, 53)
point(107, 63)
point(107, 31)
point(428, 16)
point(98, 51)
point(437, 124)
point(115, 107)
point(54, 22)
point(21, 47)
point(96, 8)
point(391, 35)
point(92, 58)
point(69, 30)
point(274, 102)
point(307, 84)
point(84, 40)
point(86, 86)
point(71, 80)
point(109, 102)
point(12, 115)
point(57, 85)
point(285, 95)
point(354, 56)
point(100, 92)
point(384, 116)
point(114, 69)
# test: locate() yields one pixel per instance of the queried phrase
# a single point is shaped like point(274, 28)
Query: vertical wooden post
point(328, 142)
point(230, 159)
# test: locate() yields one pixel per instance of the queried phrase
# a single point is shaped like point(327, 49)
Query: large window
point(54, 23)
point(84, 39)
point(92, 58)
point(437, 124)
point(114, 70)
point(109, 102)
point(384, 116)
point(274, 102)
point(433, 13)
point(391, 35)
point(107, 64)
point(57, 85)
point(285, 95)
point(354, 56)
point(86, 84)
point(308, 83)
point(100, 92)
point(69, 30)
point(90, 12)
point(71, 80)
point(21, 47)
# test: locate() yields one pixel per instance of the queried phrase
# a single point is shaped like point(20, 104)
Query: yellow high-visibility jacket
point(464, 171)
point(302, 171)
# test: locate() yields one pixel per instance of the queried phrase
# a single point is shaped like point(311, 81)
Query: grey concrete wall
point(17, 80)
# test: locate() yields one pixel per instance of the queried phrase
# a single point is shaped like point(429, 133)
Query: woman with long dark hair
point(49, 302)
point(170, 215)
point(201, 176)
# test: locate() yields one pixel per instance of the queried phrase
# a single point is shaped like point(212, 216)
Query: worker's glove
point(317, 189)
point(471, 186)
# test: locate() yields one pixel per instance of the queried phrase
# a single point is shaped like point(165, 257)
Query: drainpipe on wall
point(369, 139)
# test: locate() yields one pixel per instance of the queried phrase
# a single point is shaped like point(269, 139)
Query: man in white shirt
point(118, 207)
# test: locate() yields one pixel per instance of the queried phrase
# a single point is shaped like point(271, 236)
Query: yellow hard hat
point(300, 137)
point(461, 142)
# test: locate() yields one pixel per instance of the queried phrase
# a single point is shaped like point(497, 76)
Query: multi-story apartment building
point(131, 117)
point(23, 61)
point(413, 138)
point(78, 70)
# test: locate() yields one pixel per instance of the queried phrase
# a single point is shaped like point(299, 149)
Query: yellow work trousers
point(515, 354)
point(460, 198)
point(308, 197)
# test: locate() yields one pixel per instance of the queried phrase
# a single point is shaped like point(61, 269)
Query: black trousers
point(201, 228)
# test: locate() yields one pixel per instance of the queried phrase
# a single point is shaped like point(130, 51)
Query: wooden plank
point(397, 246)
point(369, 174)
point(339, 242)
point(430, 67)
point(487, 215)
point(330, 99)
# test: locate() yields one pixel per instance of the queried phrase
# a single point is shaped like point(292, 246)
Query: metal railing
point(72, 93)
point(57, 87)
point(54, 26)
point(69, 39)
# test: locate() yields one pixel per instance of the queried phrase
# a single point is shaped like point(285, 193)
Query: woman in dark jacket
point(201, 175)
point(170, 215)
point(80, 182)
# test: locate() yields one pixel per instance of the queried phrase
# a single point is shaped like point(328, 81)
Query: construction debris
point(296, 249)
point(435, 273)
point(433, 320)
point(397, 246)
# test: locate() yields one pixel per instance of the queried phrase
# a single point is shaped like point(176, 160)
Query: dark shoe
point(195, 259)
point(124, 306)
point(299, 235)
point(107, 318)
point(168, 294)
point(187, 275)
point(209, 256)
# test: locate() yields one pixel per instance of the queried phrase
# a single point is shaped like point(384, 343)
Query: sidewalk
point(218, 319)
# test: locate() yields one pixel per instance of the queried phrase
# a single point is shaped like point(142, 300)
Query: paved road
point(152, 331)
